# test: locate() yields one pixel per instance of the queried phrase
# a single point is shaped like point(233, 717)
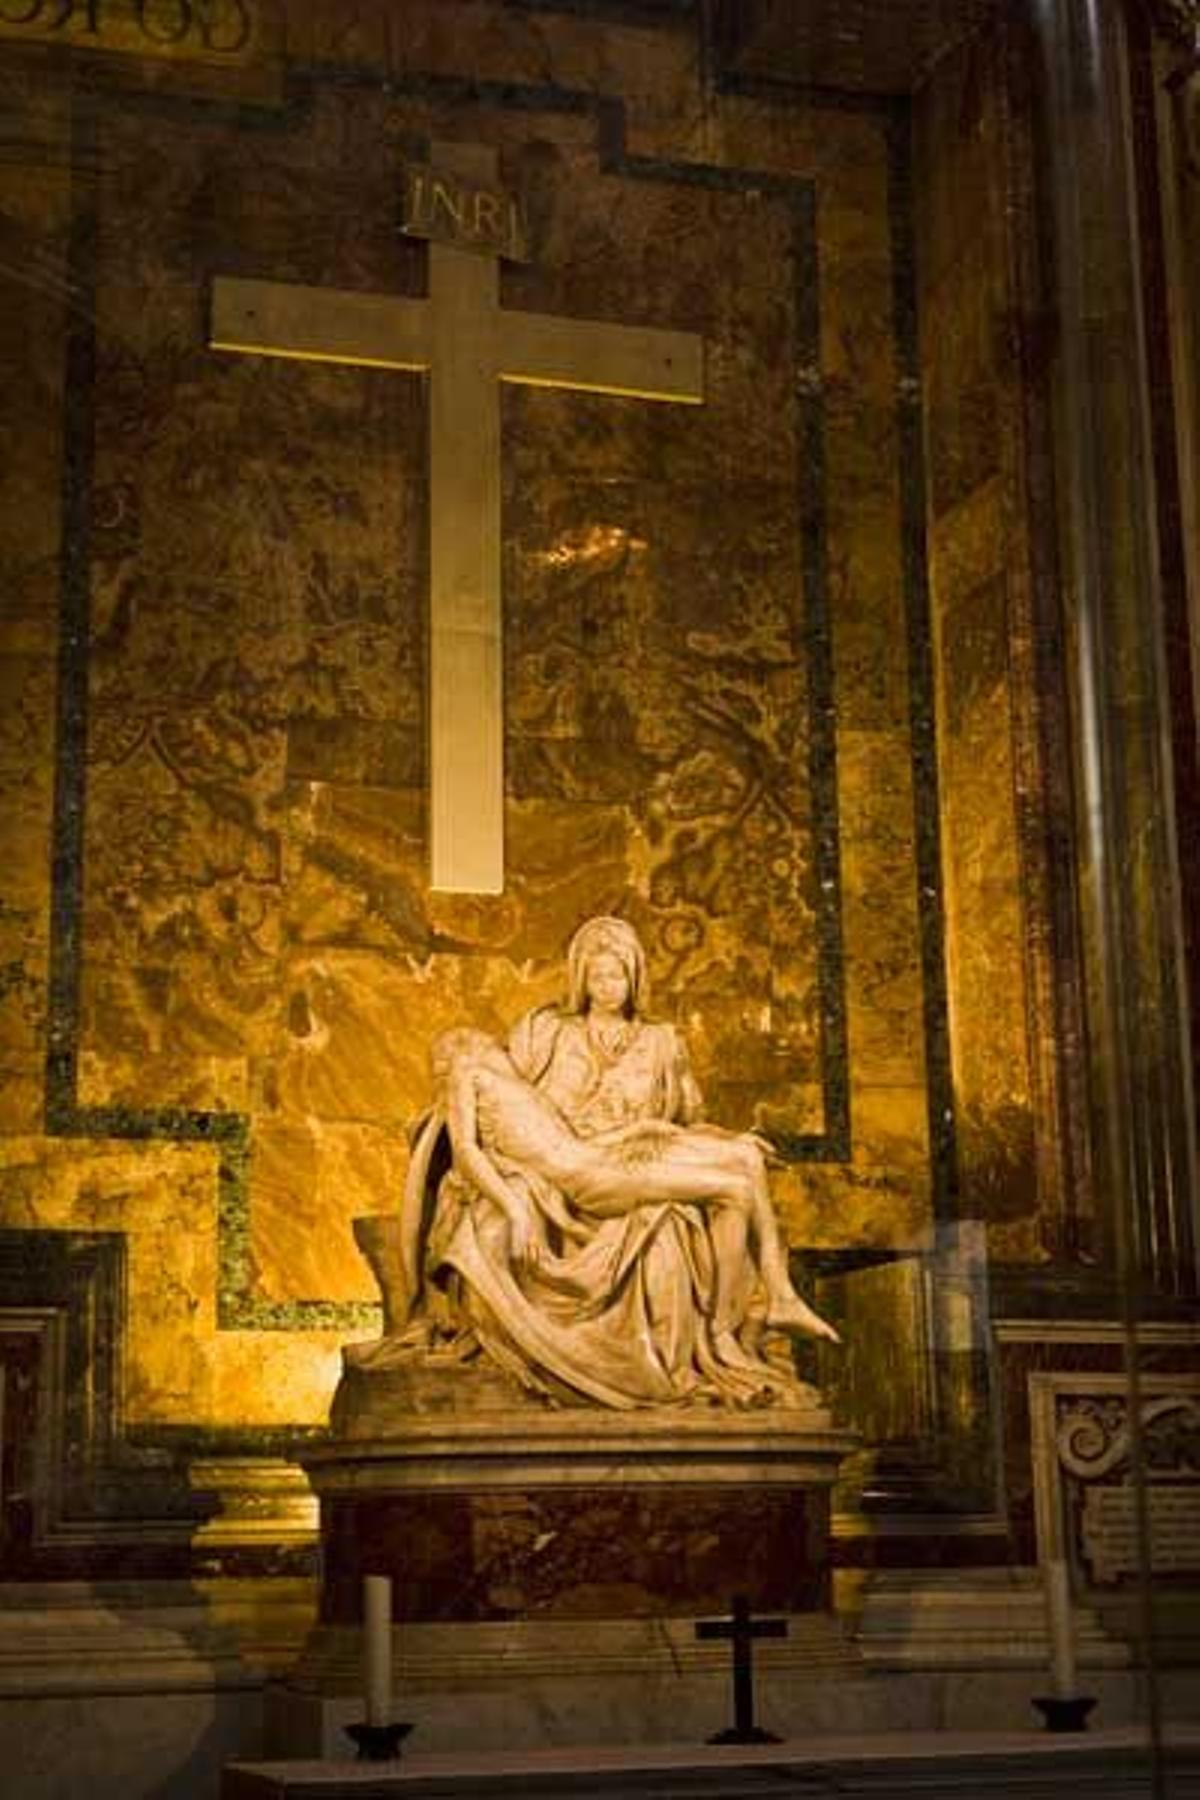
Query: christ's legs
point(686, 1172)
point(608, 1183)
point(729, 1176)
point(785, 1308)
point(729, 1228)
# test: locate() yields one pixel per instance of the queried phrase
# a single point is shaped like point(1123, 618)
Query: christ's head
point(462, 1046)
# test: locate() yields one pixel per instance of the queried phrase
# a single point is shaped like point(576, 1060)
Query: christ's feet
point(789, 1313)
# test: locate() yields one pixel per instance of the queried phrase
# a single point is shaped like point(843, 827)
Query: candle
point(377, 1631)
point(1061, 1623)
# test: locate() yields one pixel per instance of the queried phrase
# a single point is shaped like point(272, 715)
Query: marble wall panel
point(316, 205)
point(880, 1312)
point(884, 1195)
point(958, 129)
point(33, 217)
point(858, 349)
point(163, 1200)
point(839, 146)
point(656, 614)
point(301, 593)
point(614, 1550)
point(354, 1048)
point(353, 864)
point(881, 1199)
point(979, 565)
point(33, 251)
point(965, 448)
point(640, 677)
point(258, 935)
point(866, 585)
point(309, 1179)
point(985, 925)
point(183, 907)
point(298, 601)
point(652, 63)
point(883, 976)
point(26, 768)
point(22, 995)
point(176, 1367)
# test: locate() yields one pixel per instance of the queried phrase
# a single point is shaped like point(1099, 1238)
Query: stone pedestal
point(542, 1544)
point(580, 1514)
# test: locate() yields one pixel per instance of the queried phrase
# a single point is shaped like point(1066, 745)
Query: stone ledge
point(260, 1500)
point(492, 1652)
point(575, 1448)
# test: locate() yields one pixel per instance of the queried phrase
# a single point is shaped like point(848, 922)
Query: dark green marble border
point(71, 699)
point(237, 1307)
point(779, 92)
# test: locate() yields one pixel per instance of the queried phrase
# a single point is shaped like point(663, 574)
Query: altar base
point(553, 1563)
point(539, 1682)
point(1111, 1765)
point(496, 1517)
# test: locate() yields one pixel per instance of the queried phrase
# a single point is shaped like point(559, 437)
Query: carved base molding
point(261, 1500)
point(568, 1448)
point(1178, 20)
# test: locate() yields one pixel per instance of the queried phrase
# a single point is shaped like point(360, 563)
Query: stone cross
point(465, 344)
point(742, 1630)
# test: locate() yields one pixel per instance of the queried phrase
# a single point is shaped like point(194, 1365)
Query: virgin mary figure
point(651, 1303)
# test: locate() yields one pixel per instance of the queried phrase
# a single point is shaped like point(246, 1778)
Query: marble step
point(970, 1619)
point(1113, 1765)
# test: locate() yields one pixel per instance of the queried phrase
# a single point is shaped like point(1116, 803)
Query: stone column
point(1119, 693)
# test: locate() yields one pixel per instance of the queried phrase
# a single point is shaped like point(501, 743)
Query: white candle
point(1061, 1623)
point(377, 1634)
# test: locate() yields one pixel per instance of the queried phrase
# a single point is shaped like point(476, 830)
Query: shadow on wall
point(159, 1746)
point(128, 1690)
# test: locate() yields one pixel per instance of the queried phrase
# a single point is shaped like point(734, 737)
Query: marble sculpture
point(570, 1218)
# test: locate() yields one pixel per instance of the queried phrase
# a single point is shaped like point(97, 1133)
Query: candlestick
point(377, 1632)
point(1064, 1676)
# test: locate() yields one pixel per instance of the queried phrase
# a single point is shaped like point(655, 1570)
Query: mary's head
point(602, 949)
